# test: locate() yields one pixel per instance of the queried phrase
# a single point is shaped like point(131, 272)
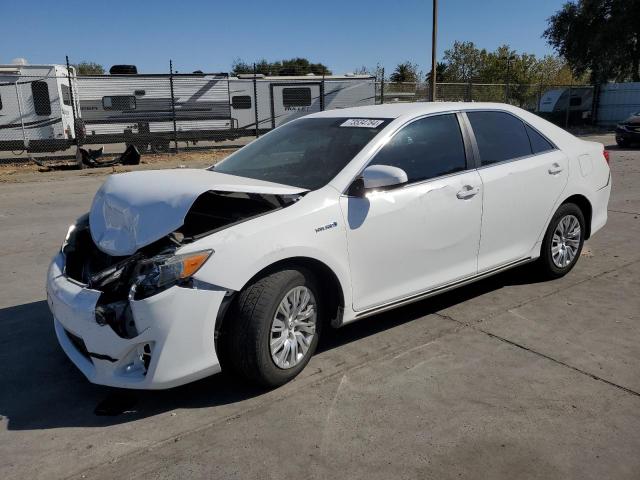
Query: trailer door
point(294, 100)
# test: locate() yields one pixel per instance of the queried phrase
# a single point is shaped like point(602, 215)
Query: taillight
point(605, 154)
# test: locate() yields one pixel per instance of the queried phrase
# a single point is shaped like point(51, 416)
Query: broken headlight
point(163, 271)
point(69, 239)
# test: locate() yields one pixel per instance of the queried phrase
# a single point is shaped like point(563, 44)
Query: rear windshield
point(306, 153)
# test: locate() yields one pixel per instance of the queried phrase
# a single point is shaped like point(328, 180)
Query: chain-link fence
point(565, 105)
point(49, 108)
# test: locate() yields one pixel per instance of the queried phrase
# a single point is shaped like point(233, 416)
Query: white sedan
point(176, 274)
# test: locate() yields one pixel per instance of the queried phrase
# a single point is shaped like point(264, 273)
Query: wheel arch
point(584, 205)
point(329, 281)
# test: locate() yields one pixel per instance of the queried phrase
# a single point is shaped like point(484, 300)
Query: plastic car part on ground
point(87, 158)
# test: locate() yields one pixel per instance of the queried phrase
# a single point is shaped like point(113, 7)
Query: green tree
point(89, 68)
point(293, 66)
point(599, 37)
point(442, 73)
point(405, 72)
point(464, 61)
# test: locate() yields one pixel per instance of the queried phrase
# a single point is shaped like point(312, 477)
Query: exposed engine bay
point(153, 268)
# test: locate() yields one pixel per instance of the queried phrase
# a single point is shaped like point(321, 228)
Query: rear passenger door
point(523, 175)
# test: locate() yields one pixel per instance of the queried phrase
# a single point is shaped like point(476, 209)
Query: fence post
point(595, 103)
point(469, 97)
point(173, 107)
point(539, 98)
point(568, 109)
point(25, 142)
point(255, 98)
point(322, 90)
point(382, 86)
point(73, 103)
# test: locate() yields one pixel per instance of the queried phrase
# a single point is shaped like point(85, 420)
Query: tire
point(622, 143)
point(160, 146)
point(572, 244)
point(249, 335)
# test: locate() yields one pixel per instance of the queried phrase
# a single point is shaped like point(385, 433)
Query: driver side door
point(423, 234)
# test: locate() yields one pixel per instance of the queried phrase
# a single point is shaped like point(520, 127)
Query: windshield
point(306, 153)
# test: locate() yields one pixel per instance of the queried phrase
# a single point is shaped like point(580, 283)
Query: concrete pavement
point(508, 378)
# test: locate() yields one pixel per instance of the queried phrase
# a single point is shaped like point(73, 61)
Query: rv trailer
point(576, 102)
point(141, 109)
point(36, 114)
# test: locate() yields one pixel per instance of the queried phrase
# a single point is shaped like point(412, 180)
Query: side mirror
point(383, 176)
point(377, 177)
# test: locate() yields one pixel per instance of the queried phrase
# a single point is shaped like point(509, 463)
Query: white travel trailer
point(578, 100)
point(36, 113)
point(138, 108)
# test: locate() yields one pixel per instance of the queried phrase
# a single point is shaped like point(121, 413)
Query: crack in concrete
point(622, 211)
point(477, 328)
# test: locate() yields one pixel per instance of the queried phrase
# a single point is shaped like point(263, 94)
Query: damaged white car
point(328, 219)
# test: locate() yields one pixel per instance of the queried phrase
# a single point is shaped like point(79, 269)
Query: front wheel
point(274, 327)
point(563, 241)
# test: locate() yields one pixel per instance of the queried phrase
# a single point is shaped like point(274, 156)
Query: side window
point(296, 97)
point(539, 144)
point(500, 136)
point(41, 101)
point(575, 101)
point(427, 148)
point(123, 102)
point(66, 94)
point(241, 102)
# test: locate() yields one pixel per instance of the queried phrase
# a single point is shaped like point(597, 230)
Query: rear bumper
point(627, 135)
point(176, 328)
point(600, 204)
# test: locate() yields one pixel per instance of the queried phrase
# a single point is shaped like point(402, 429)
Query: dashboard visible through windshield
point(306, 153)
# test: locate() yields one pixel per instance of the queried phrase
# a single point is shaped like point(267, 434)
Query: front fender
point(311, 228)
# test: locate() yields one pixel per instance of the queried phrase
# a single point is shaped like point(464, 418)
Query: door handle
point(555, 169)
point(467, 192)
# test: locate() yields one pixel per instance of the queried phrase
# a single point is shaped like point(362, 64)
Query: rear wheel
point(274, 327)
point(563, 241)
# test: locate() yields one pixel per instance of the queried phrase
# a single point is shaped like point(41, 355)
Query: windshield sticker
point(362, 123)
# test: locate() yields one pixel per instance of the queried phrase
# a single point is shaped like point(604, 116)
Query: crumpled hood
point(134, 209)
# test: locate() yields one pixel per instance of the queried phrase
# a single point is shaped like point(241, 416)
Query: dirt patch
point(34, 173)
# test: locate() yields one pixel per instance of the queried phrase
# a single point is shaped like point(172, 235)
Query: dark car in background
point(628, 132)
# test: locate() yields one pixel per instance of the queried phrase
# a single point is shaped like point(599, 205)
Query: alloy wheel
point(293, 327)
point(566, 241)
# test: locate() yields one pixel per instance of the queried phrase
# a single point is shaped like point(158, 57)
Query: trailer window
point(41, 100)
point(66, 94)
point(121, 102)
point(241, 102)
point(296, 97)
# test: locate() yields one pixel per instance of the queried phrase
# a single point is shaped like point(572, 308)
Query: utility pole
point(434, 36)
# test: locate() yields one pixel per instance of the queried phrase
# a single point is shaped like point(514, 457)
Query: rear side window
point(127, 102)
point(500, 136)
point(539, 144)
point(427, 148)
point(41, 101)
point(296, 97)
point(241, 102)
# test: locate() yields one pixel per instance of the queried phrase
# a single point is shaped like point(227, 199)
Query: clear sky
point(208, 35)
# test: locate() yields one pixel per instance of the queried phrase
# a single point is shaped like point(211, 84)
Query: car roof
point(397, 110)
